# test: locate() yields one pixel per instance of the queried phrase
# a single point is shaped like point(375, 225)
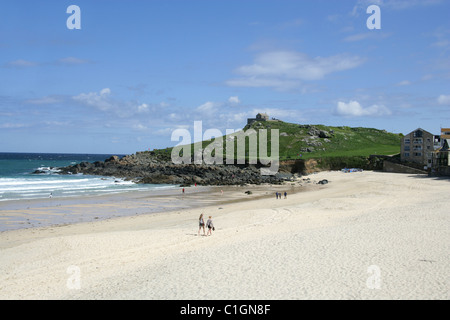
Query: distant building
point(420, 146)
point(442, 156)
point(443, 159)
point(259, 117)
point(445, 133)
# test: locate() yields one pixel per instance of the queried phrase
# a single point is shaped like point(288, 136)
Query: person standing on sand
point(210, 226)
point(201, 224)
point(276, 194)
point(285, 195)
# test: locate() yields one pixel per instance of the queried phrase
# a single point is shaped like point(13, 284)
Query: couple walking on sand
point(209, 224)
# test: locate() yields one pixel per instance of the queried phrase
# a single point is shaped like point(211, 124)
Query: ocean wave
point(67, 186)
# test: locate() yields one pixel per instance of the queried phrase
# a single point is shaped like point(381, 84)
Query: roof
point(421, 130)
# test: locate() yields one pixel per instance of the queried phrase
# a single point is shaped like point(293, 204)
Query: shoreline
point(53, 212)
point(319, 244)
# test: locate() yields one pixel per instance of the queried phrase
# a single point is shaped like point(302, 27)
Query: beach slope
point(364, 235)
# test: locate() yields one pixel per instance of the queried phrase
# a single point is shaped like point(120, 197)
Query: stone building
point(445, 133)
point(419, 147)
point(441, 161)
point(259, 117)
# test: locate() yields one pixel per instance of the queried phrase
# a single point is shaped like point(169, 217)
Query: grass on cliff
point(341, 141)
point(296, 141)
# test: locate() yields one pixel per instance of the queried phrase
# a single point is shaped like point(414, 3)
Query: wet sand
point(365, 235)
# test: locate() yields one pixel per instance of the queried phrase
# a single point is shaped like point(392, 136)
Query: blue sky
point(138, 70)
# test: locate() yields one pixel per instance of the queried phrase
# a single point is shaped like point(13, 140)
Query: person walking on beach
point(276, 194)
point(201, 224)
point(285, 195)
point(210, 226)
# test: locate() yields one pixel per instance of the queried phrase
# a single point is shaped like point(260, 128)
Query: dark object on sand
point(248, 192)
point(324, 181)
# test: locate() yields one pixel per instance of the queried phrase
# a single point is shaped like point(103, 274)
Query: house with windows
point(442, 156)
point(445, 133)
point(420, 146)
point(259, 117)
point(443, 159)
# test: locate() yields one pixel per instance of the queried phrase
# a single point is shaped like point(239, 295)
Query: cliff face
point(145, 168)
point(149, 167)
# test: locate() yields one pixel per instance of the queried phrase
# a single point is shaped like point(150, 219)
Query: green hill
point(298, 141)
point(318, 141)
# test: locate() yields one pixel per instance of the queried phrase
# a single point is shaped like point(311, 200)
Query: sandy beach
point(364, 235)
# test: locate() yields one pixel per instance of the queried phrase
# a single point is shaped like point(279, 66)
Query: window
point(437, 140)
point(418, 134)
point(407, 148)
point(406, 154)
point(418, 141)
point(407, 140)
point(417, 154)
point(417, 148)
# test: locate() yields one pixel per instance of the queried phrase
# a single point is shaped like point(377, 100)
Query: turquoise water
point(17, 180)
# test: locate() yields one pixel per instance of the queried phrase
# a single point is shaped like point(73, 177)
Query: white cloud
point(404, 83)
point(234, 100)
point(21, 63)
point(122, 108)
point(366, 36)
point(358, 37)
point(44, 100)
point(12, 125)
point(444, 100)
point(361, 5)
point(406, 4)
point(71, 61)
point(288, 69)
point(105, 91)
point(442, 36)
point(97, 100)
point(354, 109)
point(207, 107)
point(142, 108)
point(139, 127)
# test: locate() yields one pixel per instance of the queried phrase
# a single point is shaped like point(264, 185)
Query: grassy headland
point(303, 142)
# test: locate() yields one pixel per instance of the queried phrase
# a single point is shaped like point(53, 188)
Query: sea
point(18, 182)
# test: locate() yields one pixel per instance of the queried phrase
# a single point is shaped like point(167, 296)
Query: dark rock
point(112, 159)
point(323, 134)
point(313, 131)
point(145, 168)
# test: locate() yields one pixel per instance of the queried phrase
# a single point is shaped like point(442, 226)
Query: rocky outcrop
point(144, 168)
